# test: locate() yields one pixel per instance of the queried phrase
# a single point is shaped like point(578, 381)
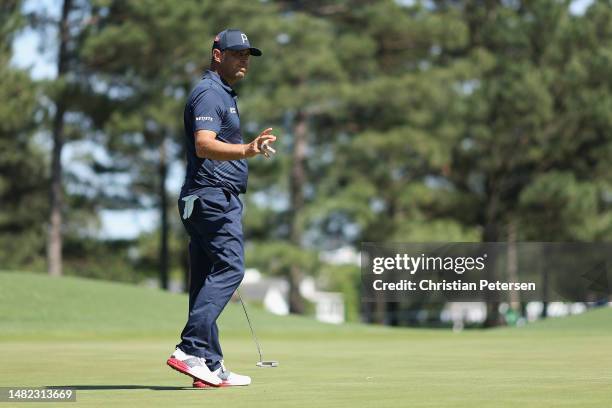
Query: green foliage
point(425, 121)
point(558, 207)
point(103, 259)
point(277, 257)
point(345, 279)
point(23, 181)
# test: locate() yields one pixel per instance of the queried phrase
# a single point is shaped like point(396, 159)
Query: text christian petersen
point(423, 263)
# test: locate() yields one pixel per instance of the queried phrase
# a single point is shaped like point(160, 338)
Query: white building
point(274, 295)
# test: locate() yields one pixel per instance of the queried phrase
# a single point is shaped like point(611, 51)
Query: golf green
point(110, 342)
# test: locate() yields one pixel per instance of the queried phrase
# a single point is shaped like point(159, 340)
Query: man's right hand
point(256, 146)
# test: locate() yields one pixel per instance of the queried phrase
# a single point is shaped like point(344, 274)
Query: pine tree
point(23, 180)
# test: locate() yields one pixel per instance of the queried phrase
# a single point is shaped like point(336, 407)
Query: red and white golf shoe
point(195, 367)
point(228, 379)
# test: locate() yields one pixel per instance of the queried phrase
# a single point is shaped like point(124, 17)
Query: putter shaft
point(250, 326)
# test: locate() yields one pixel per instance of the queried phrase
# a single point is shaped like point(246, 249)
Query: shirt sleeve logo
point(232, 110)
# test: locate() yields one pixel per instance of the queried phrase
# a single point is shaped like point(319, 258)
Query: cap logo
point(244, 38)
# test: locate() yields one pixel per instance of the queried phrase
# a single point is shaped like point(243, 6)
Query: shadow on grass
point(121, 387)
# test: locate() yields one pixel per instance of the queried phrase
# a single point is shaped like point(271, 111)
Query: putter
point(261, 362)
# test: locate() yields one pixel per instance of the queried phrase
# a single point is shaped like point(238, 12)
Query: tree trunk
point(491, 234)
point(392, 313)
point(379, 312)
point(163, 214)
point(296, 301)
point(545, 281)
point(512, 266)
point(296, 190)
point(54, 238)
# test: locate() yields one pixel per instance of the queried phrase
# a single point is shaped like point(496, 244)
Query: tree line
point(399, 122)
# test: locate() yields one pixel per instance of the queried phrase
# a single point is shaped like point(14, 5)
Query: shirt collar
point(215, 77)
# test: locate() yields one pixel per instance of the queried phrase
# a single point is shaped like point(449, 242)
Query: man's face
point(234, 64)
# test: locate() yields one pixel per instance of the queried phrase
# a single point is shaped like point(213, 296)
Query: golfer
point(210, 208)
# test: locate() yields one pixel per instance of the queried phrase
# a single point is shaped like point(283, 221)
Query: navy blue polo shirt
point(212, 106)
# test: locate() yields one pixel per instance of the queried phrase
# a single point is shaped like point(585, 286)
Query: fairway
point(110, 342)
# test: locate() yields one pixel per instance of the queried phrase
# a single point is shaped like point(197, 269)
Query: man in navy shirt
point(210, 209)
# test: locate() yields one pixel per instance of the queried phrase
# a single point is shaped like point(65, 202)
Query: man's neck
point(230, 83)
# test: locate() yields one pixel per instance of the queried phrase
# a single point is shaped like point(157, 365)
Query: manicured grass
point(110, 342)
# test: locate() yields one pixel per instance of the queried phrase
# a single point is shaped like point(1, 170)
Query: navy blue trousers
point(216, 263)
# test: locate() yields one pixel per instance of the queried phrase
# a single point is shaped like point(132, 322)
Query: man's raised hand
point(261, 144)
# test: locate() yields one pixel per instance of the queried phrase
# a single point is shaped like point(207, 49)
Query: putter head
point(265, 364)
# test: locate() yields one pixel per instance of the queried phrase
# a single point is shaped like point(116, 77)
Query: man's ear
point(217, 55)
